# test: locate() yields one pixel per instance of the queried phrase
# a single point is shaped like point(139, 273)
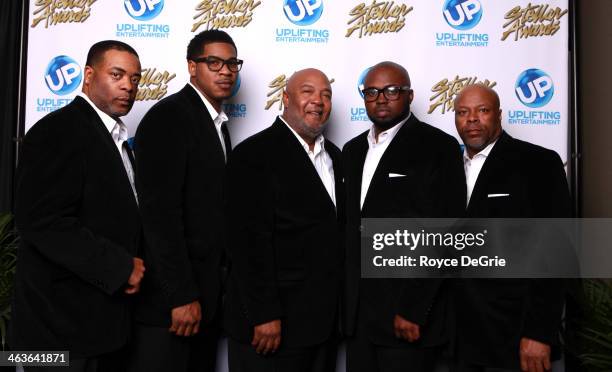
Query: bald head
point(481, 90)
point(307, 101)
point(477, 117)
point(390, 66)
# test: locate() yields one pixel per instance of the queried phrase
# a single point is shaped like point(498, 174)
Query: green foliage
point(594, 333)
point(8, 258)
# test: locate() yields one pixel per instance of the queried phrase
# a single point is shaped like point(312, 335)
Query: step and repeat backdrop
point(520, 48)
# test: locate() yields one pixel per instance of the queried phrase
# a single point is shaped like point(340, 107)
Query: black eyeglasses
point(216, 64)
point(391, 92)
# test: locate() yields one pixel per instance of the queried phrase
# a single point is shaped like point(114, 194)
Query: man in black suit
point(506, 324)
point(77, 215)
point(400, 168)
point(181, 148)
point(285, 229)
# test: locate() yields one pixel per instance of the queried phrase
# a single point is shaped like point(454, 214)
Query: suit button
point(360, 227)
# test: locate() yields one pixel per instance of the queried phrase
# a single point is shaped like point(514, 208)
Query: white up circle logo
point(303, 12)
point(462, 14)
point(534, 88)
point(63, 75)
point(143, 10)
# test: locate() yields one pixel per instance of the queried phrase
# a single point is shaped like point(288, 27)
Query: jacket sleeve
point(545, 299)
point(419, 295)
point(161, 165)
point(251, 224)
point(52, 173)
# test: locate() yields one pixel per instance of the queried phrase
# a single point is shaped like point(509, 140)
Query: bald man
point(506, 324)
point(400, 168)
point(285, 221)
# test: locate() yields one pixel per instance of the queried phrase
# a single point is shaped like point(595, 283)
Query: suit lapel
point(402, 146)
point(493, 166)
point(355, 172)
point(296, 156)
point(113, 153)
point(201, 115)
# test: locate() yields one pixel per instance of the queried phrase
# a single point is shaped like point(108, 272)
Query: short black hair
point(197, 44)
point(97, 50)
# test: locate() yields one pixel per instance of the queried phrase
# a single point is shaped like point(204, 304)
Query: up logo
point(236, 86)
point(534, 88)
point(63, 75)
point(143, 10)
point(303, 12)
point(462, 14)
point(361, 80)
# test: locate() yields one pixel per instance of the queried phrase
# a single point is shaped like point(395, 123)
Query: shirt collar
point(484, 153)
point(108, 121)
point(218, 117)
point(386, 135)
point(319, 141)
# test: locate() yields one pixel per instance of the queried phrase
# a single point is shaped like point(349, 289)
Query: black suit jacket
point(181, 187)
point(79, 225)
point(433, 186)
point(493, 315)
point(285, 240)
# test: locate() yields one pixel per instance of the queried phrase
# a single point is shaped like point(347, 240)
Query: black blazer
point(433, 186)
point(181, 187)
point(494, 314)
point(285, 240)
point(79, 225)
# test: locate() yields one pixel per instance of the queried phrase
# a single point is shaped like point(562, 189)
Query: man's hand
point(535, 356)
point(267, 337)
point(136, 276)
point(405, 329)
point(186, 319)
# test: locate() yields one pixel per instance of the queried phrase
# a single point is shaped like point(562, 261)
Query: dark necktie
point(226, 140)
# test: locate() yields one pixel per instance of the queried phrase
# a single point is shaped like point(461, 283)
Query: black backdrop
point(11, 15)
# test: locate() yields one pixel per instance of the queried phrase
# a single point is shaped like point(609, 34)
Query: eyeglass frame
point(402, 88)
point(224, 62)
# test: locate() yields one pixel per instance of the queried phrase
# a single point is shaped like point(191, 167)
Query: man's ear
point(285, 98)
point(88, 73)
point(191, 67)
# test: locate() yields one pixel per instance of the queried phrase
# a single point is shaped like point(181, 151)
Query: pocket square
point(393, 175)
point(497, 195)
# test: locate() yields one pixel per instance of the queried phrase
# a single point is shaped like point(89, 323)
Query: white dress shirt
point(376, 149)
point(321, 161)
point(218, 118)
point(473, 167)
point(119, 132)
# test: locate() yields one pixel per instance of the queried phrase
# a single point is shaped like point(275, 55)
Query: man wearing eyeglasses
point(181, 146)
point(400, 168)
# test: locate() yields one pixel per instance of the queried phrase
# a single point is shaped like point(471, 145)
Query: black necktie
point(226, 140)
